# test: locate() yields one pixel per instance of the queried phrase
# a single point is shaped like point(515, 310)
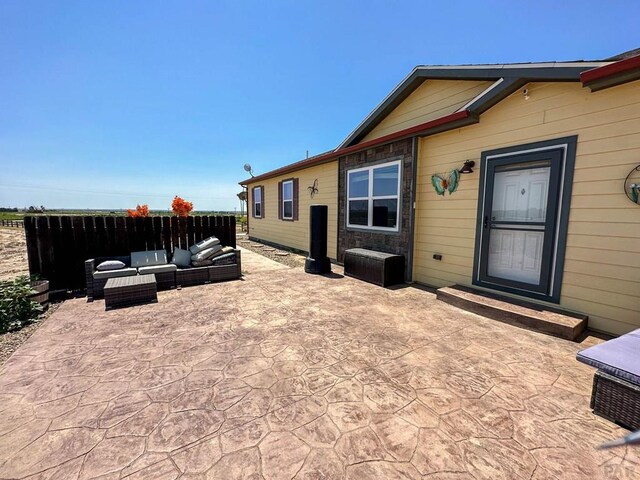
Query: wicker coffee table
point(133, 290)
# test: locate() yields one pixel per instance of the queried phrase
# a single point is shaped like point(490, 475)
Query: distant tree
point(181, 207)
point(140, 211)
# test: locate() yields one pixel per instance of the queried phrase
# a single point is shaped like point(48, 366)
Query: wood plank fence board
point(182, 232)
point(197, 228)
point(67, 255)
point(166, 235)
point(46, 252)
point(80, 249)
point(33, 255)
point(157, 233)
point(122, 240)
point(190, 231)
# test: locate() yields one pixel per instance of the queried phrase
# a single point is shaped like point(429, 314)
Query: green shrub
point(16, 308)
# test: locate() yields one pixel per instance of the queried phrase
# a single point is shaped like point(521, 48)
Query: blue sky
point(109, 104)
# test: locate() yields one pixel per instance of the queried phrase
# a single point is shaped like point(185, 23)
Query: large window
point(287, 200)
point(257, 202)
point(373, 197)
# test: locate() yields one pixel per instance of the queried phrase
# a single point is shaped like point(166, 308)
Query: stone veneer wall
point(388, 242)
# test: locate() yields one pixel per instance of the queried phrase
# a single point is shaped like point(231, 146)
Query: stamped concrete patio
point(286, 375)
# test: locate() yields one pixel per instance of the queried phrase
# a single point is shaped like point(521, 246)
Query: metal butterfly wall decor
point(313, 189)
point(443, 184)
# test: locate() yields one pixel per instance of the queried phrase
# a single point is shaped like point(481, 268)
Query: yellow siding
point(296, 234)
point(433, 99)
point(602, 267)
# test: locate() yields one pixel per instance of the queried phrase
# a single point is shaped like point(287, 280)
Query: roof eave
point(449, 122)
point(623, 71)
point(554, 71)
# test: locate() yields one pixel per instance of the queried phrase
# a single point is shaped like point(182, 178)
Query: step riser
point(512, 318)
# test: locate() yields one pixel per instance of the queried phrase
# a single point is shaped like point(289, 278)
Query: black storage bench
point(383, 269)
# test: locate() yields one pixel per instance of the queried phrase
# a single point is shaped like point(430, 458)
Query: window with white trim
point(257, 202)
point(287, 200)
point(373, 197)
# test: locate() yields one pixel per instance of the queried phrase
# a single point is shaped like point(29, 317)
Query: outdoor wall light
point(525, 93)
point(467, 167)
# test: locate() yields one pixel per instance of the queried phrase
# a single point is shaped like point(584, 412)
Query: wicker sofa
point(166, 278)
point(616, 383)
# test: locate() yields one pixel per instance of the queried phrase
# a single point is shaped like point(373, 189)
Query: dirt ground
point(285, 257)
point(13, 253)
point(13, 262)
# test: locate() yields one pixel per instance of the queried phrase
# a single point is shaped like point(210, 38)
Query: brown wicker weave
point(192, 276)
point(125, 291)
point(214, 273)
point(224, 272)
point(166, 280)
point(616, 400)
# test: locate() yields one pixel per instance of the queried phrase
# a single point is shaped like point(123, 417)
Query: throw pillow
point(110, 265)
point(181, 258)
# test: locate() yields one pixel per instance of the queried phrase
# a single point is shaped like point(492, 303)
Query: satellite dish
point(247, 168)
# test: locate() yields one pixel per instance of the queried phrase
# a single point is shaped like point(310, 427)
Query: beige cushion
point(147, 259)
point(204, 254)
point(222, 251)
point(203, 245)
point(158, 269)
point(123, 272)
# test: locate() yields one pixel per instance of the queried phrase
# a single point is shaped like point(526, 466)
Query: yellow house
point(519, 179)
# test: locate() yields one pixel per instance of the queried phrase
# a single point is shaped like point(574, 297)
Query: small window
point(373, 195)
point(287, 200)
point(257, 202)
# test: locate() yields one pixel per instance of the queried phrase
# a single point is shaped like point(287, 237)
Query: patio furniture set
point(136, 278)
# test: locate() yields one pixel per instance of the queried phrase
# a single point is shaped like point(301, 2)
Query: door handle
point(486, 221)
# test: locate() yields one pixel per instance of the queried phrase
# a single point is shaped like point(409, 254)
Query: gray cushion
point(619, 357)
point(181, 258)
point(226, 259)
point(203, 245)
point(147, 259)
point(123, 272)
point(204, 254)
point(110, 265)
point(203, 263)
point(158, 269)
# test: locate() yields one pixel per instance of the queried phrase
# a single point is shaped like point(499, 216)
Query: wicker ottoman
point(126, 291)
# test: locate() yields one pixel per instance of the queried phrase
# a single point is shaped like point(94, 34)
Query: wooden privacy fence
point(57, 246)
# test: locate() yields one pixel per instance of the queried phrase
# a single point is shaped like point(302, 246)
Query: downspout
point(412, 208)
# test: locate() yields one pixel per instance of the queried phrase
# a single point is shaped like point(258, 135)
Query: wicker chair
point(616, 384)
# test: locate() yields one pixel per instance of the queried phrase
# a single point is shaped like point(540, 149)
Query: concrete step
point(531, 316)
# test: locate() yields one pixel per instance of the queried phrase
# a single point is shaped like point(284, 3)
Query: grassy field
point(11, 215)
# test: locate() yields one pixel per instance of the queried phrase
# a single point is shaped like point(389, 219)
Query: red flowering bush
point(140, 211)
point(181, 207)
